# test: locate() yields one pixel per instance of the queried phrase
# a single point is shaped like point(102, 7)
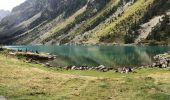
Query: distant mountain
point(3, 13)
point(87, 21)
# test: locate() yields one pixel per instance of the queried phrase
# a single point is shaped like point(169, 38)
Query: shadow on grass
point(160, 96)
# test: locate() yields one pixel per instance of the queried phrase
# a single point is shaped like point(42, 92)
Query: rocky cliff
point(86, 21)
point(3, 14)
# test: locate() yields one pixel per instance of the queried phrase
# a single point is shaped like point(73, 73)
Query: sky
point(9, 4)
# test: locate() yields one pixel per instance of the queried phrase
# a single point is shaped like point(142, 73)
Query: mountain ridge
point(84, 22)
point(3, 13)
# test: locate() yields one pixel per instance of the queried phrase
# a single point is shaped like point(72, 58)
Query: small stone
point(154, 65)
point(164, 65)
point(126, 70)
point(81, 68)
point(105, 70)
point(73, 67)
point(101, 66)
point(68, 67)
point(47, 64)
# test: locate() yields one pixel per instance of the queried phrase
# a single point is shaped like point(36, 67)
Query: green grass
point(20, 80)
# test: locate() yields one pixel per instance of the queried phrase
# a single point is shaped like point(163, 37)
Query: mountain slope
point(3, 14)
point(83, 21)
point(35, 12)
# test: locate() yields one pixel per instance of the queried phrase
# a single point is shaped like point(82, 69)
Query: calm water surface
point(111, 56)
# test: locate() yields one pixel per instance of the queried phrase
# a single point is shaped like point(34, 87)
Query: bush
point(153, 42)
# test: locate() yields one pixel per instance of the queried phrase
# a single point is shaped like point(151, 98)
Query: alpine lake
point(110, 56)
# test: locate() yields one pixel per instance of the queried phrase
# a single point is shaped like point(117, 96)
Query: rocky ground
point(147, 28)
point(162, 61)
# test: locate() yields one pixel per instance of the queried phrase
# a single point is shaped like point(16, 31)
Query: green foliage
point(129, 38)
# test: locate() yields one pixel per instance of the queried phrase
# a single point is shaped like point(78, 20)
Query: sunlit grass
point(20, 80)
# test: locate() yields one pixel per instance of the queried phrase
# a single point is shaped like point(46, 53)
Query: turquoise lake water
point(111, 56)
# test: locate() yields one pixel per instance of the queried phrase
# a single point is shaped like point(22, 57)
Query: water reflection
point(110, 56)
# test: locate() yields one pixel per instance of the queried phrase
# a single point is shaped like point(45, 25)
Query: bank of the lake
point(96, 55)
point(20, 80)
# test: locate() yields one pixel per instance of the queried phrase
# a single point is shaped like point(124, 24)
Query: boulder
point(68, 67)
point(125, 70)
point(73, 67)
point(154, 65)
point(101, 68)
point(164, 66)
point(48, 64)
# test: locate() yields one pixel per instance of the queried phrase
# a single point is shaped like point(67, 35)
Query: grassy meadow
point(24, 81)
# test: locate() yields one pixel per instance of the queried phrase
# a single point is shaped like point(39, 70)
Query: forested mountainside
point(87, 21)
point(3, 14)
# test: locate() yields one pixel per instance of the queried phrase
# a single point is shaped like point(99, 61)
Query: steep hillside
point(35, 12)
point(86, 21)
point(3, 14)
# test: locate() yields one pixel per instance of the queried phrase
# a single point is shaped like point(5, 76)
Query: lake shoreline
point(98, 44)
point(94, 56)
point(39, 58)
point(101, 68)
